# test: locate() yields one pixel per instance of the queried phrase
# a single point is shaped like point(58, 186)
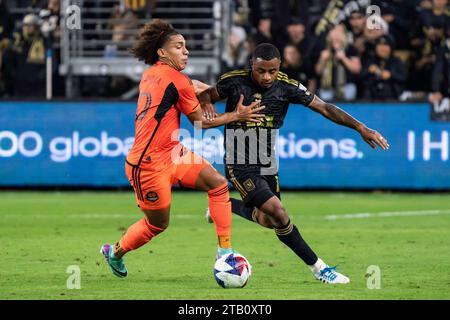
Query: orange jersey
point(163, 93)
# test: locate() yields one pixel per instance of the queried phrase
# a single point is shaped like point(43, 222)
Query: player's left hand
point(249, 113)
point(373, 138)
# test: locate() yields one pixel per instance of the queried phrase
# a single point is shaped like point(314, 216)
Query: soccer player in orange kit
point(157, 159)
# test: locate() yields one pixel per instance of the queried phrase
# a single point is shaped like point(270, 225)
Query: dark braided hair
point(152, 37)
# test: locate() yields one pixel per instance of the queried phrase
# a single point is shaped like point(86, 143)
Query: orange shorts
point(153, 186)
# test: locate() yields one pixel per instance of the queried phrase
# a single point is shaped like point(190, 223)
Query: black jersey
point(249, 143)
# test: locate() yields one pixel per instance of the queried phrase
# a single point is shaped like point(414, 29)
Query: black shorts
point(255, 188)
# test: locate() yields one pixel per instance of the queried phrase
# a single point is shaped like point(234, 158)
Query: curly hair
point(152, 37)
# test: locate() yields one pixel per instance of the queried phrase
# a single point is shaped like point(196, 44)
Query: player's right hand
point(208, 108)
point(373, 138)
point(250, 112)
point(209, 111)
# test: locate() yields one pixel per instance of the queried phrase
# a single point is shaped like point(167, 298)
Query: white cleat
point(331, 276)
point(208, 216)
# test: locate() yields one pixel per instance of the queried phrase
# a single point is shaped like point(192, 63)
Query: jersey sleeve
point(187, 100)
point(297, 93)
point(224, 86)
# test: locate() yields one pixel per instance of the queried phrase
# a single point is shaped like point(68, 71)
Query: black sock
point(291, 237)
point(238, 207)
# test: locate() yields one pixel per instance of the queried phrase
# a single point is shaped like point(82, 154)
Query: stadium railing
point(90, 51)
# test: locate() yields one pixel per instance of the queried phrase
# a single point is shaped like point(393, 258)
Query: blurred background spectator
point(440, 83)
point(237, 51)
point(6, 29)
point(357, 26)
point(375, 28)
point(383, 75)
point(259, 9)
point(400, 16)
point(425, 53)
point(297, 67)
point(297, 36)
point(334, 47)
point(264, 31)
point(141, 8)
point(50, 20)
point(25, 60)
point(338, 64)
point(123, 23)
point(51, 30)
point(427, 39)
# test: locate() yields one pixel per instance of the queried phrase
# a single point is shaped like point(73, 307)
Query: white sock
point(319, 265)
point(223, 251)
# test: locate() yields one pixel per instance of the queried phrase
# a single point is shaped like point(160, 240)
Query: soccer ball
point(232, 270)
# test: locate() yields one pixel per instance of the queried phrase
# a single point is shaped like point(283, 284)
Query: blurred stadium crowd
point(336, 48)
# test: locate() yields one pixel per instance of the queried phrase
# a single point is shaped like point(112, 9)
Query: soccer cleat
point(208, 216)
point(116, 265)
point(331, 276)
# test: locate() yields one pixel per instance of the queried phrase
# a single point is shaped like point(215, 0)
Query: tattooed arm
point(339, 116)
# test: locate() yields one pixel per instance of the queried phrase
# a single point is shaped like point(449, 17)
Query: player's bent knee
point(157, 229)
point(161, 226)
point(210, 179)
point(264, 220)
point(278, 216)
point(218, 180)
point(157, 220)
point(219, 193)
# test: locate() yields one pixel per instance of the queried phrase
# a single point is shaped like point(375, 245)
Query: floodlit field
point(46, 236)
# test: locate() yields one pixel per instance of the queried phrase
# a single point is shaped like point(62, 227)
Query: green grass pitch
point(42, 234)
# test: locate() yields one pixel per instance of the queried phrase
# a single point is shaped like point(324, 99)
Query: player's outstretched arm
point(339, 116)
point(242, 113)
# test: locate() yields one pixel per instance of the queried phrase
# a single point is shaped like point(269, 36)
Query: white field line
point(131, 215)
point(364, 215)
point(135, 215)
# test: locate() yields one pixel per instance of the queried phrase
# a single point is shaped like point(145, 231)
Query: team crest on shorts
point(249, 185)
point(152, 196)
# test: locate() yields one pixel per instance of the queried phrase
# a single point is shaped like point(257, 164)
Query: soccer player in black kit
point(250, 163)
